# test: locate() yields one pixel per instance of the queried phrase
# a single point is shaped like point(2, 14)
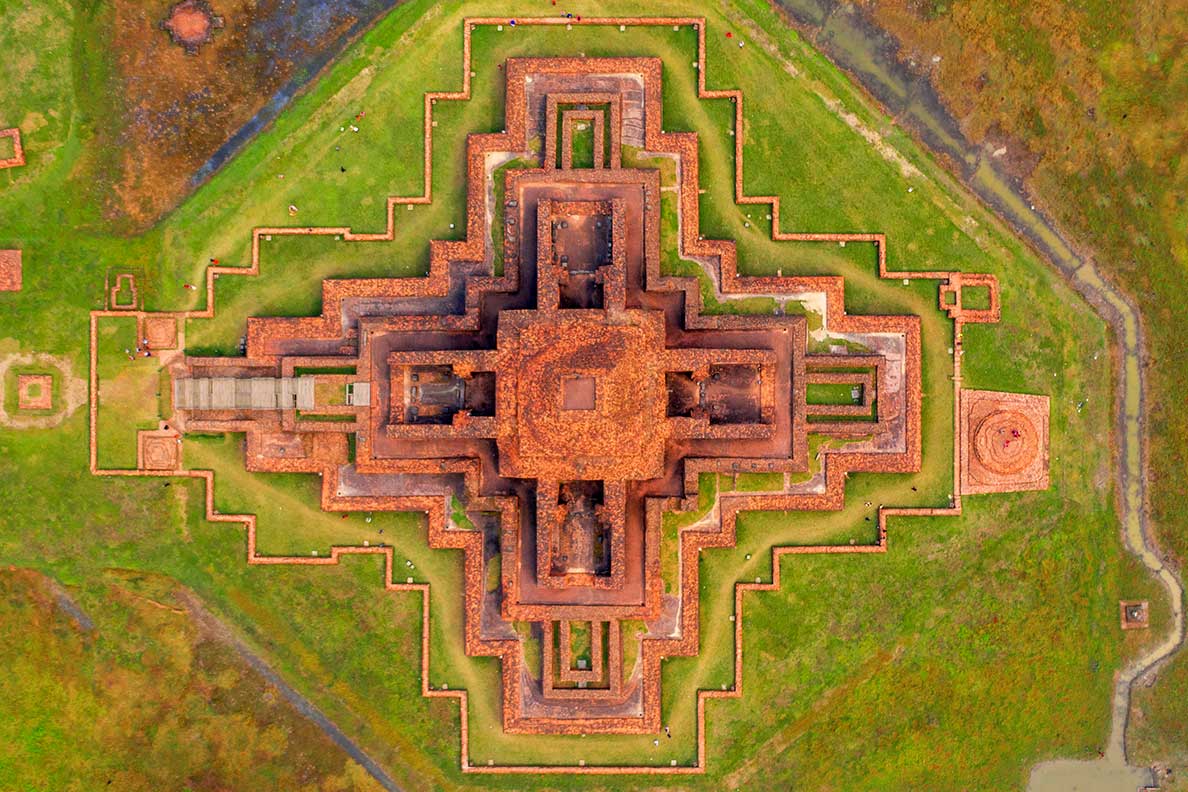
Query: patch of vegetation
point(975, 298)
point(833, 393)
point(130, 392)
point(116, 681)
point(758, 482)
point(499, 191)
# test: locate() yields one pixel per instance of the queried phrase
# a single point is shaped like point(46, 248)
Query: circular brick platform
point(1006, 442)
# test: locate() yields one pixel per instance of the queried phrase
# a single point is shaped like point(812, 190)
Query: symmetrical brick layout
point(1003, 442)
point(35, 392)
point(158, 449)
point(10, 270)
point(159, 332)
point(1134, 614)
point(567, 402)
point(18, 152)
point(122, 294)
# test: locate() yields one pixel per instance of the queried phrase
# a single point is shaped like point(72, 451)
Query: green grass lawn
point(974, 647)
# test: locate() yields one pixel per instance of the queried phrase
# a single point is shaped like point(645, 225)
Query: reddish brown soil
point(1005, 442)
point(160, 331)
point(179, 105)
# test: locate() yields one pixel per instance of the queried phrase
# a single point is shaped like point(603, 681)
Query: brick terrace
point(463, 368)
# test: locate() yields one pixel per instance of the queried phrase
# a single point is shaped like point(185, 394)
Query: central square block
point(581, 395)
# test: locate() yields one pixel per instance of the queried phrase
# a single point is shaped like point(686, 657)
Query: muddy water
point(286, 34)
point(869, 55)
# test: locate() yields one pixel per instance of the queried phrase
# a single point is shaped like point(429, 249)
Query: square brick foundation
point(158, 450)
point(161, 332)
point(1134, 614)
point(43, 384)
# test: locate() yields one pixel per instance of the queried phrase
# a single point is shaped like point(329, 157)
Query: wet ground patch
point(197, 79)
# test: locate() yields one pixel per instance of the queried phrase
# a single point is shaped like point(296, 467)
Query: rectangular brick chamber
point(10, 270)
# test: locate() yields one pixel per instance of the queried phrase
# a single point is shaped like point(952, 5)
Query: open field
point(118, 683)
point(976, 644)
point(1084, 104)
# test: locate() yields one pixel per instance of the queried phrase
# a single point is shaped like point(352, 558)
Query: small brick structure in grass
point(35, 392)
point(158, 449)
point(18, 153)
point(160, 331)
point(10, 270)
point(122, 295)
point(1134, 614)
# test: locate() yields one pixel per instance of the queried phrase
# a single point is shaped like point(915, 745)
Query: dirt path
point(220, 631)
point(868, 55)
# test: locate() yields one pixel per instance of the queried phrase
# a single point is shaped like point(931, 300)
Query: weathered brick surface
point(1003, 439)
point(18, 156)
point(324, 450)
point(10, 270)
point(43, 384)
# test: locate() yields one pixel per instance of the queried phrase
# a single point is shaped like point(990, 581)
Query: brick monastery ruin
point(570, 399)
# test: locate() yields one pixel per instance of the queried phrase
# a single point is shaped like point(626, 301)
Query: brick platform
point(158, 449)
point(1134, 614)
point(10, 270)
point(35, 392)
point(160, 331)
point(1004, 442)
